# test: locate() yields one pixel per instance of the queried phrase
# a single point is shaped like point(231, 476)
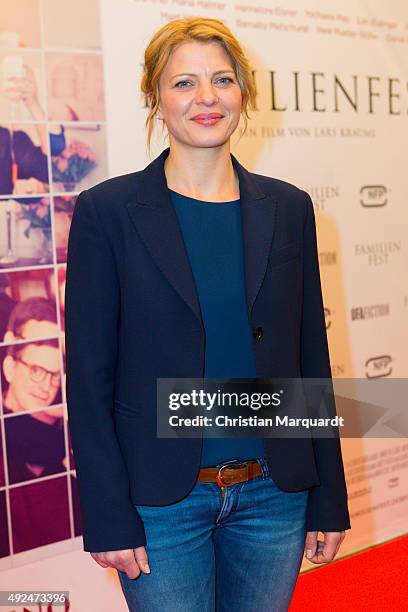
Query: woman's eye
point(225, 79)
point(177, 84)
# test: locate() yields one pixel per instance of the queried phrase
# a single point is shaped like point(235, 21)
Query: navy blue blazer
point(132, 314)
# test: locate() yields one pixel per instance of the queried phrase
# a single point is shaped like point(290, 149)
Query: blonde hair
point(177, 31)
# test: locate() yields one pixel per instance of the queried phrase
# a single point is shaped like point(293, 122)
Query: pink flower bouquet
point(73, 164)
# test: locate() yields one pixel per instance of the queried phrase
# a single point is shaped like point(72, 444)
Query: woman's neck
point(202, 173)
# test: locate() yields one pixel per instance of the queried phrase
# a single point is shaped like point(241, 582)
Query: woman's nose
point(207, 94)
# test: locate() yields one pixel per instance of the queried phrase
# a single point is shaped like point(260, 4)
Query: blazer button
point(257, 333)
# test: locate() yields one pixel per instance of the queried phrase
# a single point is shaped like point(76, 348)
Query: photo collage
point(52, 146)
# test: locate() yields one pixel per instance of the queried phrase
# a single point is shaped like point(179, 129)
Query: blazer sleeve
point(92, 307)
point(327, 506)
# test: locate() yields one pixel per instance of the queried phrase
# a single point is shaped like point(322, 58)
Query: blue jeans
point(237, 553)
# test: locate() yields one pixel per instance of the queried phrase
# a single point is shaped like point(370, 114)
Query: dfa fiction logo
point(327, 258)
point(360, 313)
point(373, 196)
point(378, 367)
point(377, 253)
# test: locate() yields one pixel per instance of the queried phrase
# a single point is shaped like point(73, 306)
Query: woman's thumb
point(311, 544)
point(141, 559)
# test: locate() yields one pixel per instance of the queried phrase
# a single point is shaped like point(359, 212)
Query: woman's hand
point(317, 551)
point(23, 88)
point(131, 561)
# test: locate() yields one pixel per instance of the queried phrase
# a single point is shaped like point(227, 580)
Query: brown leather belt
point(231, 473)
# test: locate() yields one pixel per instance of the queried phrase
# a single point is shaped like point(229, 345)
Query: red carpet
point(375, 580)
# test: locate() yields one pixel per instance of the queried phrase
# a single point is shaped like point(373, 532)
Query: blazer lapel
point(156, 222)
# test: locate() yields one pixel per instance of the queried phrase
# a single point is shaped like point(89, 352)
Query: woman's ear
point(151, 101)
point(159, 114)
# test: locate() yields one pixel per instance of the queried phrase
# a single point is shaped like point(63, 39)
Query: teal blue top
point(212, 234)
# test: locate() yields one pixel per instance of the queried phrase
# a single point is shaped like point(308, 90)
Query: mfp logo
point(378, 367)
point(373, 196)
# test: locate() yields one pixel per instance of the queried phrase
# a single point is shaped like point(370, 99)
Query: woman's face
point(199, 80)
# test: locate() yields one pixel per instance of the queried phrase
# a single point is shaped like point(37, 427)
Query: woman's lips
point(209, 121)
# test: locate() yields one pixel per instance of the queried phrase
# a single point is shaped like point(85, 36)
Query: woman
point(196, 267)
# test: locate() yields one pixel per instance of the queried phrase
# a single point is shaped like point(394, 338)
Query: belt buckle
point(218, 477)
